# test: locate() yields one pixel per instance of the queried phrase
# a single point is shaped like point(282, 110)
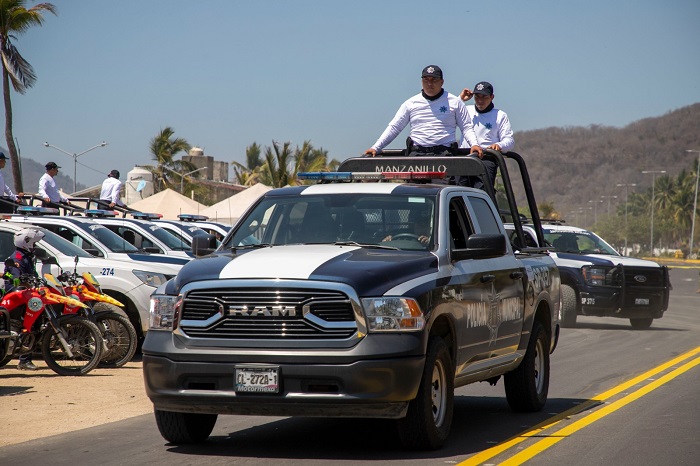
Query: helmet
point(26, 238)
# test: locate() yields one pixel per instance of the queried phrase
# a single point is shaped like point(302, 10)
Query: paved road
point(608, 416)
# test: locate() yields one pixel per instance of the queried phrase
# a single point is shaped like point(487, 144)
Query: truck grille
point(644, 277)
point(267, 313)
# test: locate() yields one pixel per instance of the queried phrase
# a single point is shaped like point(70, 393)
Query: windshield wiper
point(251, 246)
point(364, 245)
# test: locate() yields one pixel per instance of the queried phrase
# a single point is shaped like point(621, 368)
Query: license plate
point(641, 301)
point(257, 379)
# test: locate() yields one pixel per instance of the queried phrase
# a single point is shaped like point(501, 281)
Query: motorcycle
point(4, 332)
point(118, 334)
point(70, 344)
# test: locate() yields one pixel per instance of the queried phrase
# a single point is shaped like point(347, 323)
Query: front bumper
point(329, 383)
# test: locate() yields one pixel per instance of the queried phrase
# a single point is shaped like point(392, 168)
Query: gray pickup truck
point(358, 296)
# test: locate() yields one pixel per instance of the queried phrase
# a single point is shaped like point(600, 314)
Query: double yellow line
point(551, 439)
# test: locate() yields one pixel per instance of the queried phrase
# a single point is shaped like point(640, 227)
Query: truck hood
point(563, 259)
point(371, 272)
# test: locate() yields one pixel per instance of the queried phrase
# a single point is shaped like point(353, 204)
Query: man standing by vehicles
point(48, 190)
point(6, 195)
point(111, 190)
point(21, 262)
point(491, 126)
point(434, 116)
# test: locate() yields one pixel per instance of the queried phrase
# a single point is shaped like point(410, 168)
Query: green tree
point(248, 174)
point(164, 146)
point(15, 18)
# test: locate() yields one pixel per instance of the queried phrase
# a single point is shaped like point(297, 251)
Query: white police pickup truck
point(596, 280)
point(356, 299)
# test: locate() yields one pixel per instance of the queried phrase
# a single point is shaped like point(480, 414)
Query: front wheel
point(119, 337)
point(85, 343)
point(180, 428)
point(641, 324)
point(527, 386)
point(569, 307)
point(429, 418)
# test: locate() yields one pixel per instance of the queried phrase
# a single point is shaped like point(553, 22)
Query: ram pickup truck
point(358, 296)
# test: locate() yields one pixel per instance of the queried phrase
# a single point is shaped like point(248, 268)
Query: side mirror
point(480, 246)
point(203, 245)
point(44, 256)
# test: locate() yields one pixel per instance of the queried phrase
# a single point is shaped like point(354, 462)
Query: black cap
point(114, 174)
point(432, 71)
point(483, 88)
point(2, 156)
point(51, 165)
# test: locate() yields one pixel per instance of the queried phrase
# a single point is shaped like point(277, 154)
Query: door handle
point(487, 278)
point(516, 275)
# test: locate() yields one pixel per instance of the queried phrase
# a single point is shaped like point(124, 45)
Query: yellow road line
point(561, 434)
point(485, 455)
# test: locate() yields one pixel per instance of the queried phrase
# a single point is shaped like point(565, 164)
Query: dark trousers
point(7, 205)
point(475, 181)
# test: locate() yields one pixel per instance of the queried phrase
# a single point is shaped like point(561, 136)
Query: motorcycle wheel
point(119, 337)
point(85, 341)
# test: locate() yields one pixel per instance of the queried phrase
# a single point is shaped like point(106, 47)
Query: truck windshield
point(401, 222)
point(579, 242)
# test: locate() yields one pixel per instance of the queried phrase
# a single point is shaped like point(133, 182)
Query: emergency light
point(32, 210)
point(325, 177)
point(145, 215)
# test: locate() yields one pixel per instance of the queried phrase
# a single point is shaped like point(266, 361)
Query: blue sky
point(227, 73)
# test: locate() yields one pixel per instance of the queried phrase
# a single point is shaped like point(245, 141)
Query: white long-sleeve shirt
point(48, 188)
point(6, 191)
point(492, 127)
point(433, 122)
point(111, 189)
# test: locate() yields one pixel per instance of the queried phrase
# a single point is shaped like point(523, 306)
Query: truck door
point(489, 289)
point(507, 319)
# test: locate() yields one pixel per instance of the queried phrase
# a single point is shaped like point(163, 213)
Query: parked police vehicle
point(596, 280)
point(356, 299)
point(99, 242)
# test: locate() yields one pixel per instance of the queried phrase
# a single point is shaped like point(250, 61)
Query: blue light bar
point(100, 213)
point(31, 210)
point(325, 176)
point(145, 215)
point(192, 217)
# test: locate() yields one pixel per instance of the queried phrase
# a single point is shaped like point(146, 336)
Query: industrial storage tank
point(138, 185)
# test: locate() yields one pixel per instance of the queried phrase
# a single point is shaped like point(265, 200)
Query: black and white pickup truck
point(359, 296)
point(596, 280)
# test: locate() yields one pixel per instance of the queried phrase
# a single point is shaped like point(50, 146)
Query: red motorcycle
point(70, 344)
point(118, 334)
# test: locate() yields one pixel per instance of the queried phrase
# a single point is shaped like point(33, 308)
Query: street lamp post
point(183, 175)
point(595, 210)
point(626, 189)
point(695, 204)
point(653, 185)
point(608, 198)
point(75, 158)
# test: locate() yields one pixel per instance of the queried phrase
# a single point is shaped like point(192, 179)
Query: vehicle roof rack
point(397, 161)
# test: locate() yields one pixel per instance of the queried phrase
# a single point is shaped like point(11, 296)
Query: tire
point(119, 337)
point(180, 428)
point(569, 306)
point(85, 341)
point(528, 385)
point(641, 324)
point(429, 418)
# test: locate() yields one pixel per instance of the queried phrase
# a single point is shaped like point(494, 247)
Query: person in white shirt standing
point(7, 197)
point(434, 116)
point(491, 126)
point(48, 190)
point(111, 190)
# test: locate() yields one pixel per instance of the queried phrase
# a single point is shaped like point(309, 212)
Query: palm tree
point(248, 174)
point(16, 19)
point(163, 149)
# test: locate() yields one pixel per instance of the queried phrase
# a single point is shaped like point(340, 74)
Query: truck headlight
point(601, 276)
point(151, 278)
point(162, 312)
point(393, 314)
